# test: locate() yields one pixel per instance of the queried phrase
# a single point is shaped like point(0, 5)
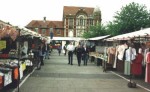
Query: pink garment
point(147, 74)
point(148, 57)
point(111, 55)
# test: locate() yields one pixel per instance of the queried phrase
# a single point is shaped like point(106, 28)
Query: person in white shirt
point(70, 49)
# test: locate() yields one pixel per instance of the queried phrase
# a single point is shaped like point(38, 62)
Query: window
point(43, 31)
point(51, 29)
point(90, 21)
point(77, 22)
point(36, 30)
point(71, 23)
point(81, 21)
point(58, 32)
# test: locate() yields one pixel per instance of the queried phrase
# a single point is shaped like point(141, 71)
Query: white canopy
point(68, 38)
point(25, 31)
point(141, 33)
point(98, 38)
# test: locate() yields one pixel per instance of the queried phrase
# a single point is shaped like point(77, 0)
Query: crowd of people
point(81, 51)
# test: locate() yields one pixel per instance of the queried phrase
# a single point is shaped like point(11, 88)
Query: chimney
point(44, 19)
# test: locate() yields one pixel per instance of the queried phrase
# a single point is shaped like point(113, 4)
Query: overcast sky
point(21, 12)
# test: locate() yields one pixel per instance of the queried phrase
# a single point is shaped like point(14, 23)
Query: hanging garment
point(7, 78)
point(1, 80)
point(145, 53)
point(127, 64)
point(116, 55)
point(121, 50)
point(111, 55)
point(147, 73)
point(136, 66)
point(120, 61)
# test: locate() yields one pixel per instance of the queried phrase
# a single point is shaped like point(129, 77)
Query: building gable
point(74, 10)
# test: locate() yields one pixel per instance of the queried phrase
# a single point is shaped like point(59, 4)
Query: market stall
point(96, 46)
point(8, 65)
point(138, 40)
point(13, 63)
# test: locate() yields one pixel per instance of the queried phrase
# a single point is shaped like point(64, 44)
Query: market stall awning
point(141, 33)
point(98, 38)
point(25, 31)
point(68, 38)
point(8, 31)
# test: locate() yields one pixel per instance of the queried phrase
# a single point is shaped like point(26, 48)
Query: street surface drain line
point(24, 80)
point(129, 80)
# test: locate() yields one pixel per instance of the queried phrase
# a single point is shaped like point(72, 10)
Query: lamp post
point(19, 54)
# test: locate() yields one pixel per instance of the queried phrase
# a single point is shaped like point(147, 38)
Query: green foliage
point(94, 31)
point(112, 28)
point(131, 18)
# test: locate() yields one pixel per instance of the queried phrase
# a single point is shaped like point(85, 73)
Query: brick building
point(76, 20)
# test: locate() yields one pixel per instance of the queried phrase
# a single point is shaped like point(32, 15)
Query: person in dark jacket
point(79, 51)
point(85, 54)
point(59, 49)
point(42, 51)
point(65, 49)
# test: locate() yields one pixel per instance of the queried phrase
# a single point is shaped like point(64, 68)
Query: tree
point(131, 18)
point(112, 28)
point(94, 31)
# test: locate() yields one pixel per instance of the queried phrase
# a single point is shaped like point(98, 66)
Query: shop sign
point(2, 44)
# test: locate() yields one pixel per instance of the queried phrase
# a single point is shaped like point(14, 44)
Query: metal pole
point(18, 59)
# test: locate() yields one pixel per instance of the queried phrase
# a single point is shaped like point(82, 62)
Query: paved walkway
point(57, 76)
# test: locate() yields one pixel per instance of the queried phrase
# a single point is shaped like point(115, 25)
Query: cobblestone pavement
point(57, 76)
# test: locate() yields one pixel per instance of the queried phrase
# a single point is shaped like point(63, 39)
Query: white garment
point(130, 54)
point(85, 49)
point(120, 51)
point(20, 71)
point(7, 78)
point(133, 55)
point(24, 50)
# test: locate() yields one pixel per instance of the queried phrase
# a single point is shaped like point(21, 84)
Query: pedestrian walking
point(59, 49)
point(65, 49)
point(47, 51)
point(79, 51)
point(85, 54)
point(70, 49)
